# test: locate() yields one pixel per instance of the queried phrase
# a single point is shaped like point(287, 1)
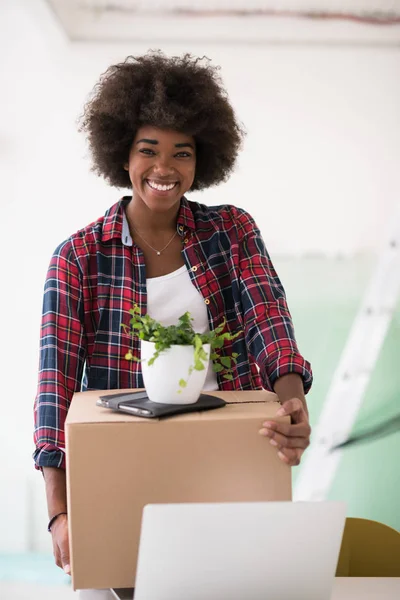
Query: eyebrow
point(184, 145)
point(155, 142)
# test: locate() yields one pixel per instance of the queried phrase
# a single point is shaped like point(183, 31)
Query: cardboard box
point(118, 463)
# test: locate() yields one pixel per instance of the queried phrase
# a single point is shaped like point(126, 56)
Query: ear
point(126, 167)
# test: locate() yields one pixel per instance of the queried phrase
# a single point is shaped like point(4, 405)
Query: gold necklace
point(158, 252)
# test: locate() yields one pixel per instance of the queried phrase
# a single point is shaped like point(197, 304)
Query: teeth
point(159, 187)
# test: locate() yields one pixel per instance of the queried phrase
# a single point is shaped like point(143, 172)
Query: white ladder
point(353, 372)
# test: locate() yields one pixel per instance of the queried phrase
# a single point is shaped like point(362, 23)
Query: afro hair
point(180, 93)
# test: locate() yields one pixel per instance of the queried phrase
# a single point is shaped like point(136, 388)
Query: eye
point(147, 151)
point(183, 155)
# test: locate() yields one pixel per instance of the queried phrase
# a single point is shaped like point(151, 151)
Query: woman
point(161, 127)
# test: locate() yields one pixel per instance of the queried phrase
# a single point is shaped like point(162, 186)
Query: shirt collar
point(185, 215)
point(112, 224)
point(115, 223)
point(126, 236)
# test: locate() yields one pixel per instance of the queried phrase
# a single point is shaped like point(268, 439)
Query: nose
point(162, 166)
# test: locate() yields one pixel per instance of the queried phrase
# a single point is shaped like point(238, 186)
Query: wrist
point(290, 386)
point(56, 490)
point(54, 519)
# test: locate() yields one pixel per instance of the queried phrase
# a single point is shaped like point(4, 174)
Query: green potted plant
point(175, 358)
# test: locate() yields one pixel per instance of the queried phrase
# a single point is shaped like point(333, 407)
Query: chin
point(159, 206)
point(160, 203)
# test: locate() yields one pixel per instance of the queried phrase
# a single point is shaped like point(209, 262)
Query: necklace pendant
point(158, 253)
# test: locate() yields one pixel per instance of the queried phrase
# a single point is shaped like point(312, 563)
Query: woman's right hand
point(59, 533)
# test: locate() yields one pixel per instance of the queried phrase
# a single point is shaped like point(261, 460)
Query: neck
point(143, 219)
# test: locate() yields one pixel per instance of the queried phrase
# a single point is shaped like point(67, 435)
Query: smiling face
point(161, 167)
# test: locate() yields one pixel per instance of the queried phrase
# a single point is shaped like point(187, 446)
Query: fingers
point(290, 456)
point(277, 439)
point(290, 449)
point(65, 561)
point(302, 429)
point(61, 544)
point(290, 439)
point(56, 553)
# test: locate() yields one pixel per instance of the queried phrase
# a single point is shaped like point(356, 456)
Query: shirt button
point(180, 227)
point(194, 269)
point(185, 241)
point(207, 301)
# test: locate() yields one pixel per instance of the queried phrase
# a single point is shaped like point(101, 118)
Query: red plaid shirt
point(95, 277)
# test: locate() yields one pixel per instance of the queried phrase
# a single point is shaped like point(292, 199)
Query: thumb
point(289, 407)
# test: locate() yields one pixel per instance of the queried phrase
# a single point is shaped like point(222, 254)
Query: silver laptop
point(239, 551)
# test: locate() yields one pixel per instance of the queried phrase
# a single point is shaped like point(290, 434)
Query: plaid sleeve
point(62, 356)
point(268, 324)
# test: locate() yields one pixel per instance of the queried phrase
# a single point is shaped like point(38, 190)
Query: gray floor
point(32, 591)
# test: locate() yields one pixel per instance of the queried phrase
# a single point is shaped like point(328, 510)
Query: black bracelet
point(53, 519)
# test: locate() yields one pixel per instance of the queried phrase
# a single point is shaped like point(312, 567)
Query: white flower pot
point(161, 379)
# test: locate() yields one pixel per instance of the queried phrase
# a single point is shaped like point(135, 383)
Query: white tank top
point(169, 297)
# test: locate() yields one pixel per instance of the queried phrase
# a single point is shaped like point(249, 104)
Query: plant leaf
point(226, 361)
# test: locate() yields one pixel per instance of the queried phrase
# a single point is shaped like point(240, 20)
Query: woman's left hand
point(290, 439)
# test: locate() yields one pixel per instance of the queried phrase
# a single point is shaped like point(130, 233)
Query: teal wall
point(323, 297)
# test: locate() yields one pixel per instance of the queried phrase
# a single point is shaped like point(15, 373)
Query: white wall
point(319, 172)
